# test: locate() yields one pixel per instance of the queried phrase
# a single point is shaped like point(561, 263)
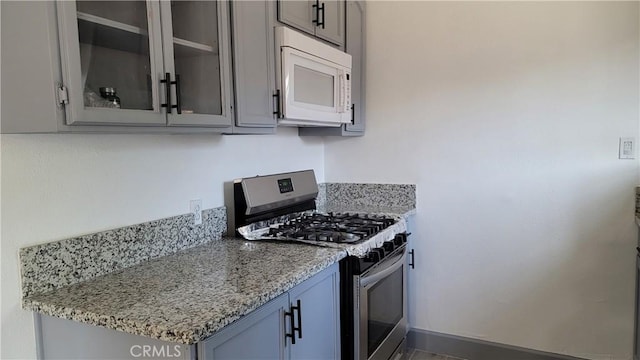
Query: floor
point(421, 355)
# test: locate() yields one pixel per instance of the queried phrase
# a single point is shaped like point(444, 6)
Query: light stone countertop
point(188, 296)
point(402, 211)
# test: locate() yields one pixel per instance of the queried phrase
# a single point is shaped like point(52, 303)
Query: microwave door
point(314, 89)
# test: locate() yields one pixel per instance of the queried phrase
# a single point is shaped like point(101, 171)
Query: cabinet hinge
point(63, 95)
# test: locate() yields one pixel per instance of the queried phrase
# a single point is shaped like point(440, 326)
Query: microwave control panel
point(346, 106)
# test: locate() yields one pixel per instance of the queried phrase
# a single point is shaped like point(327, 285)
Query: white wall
point(59, 186)
point(507, 117)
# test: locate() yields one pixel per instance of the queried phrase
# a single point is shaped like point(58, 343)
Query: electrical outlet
point(627, 148)
point(196, 210)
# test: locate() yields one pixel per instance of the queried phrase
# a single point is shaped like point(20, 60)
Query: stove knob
point(388, 246)
point(378, 253)
point(373, 256)
point(400, 239)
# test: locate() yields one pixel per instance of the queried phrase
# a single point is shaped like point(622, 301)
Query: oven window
point(385, 309)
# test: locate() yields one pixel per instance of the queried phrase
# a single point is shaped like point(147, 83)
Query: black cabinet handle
point(319, 8)
point(178, 105)
point(292, 325)
point(277, 113)
point(638, 248)
point(412, 261)
point(353, 114)
point(316, 7)
point(299, 329)
point(167, 81)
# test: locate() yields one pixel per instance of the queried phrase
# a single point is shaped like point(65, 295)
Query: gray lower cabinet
point(312, 307)
point(259, 335)
point(320, 326)
point(323, 18)
point(70, 340)
point(355, 46)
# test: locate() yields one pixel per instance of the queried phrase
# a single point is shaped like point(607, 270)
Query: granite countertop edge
point(182, 336)
point(195, 332)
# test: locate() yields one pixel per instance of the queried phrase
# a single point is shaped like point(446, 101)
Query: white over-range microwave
point(313, 80)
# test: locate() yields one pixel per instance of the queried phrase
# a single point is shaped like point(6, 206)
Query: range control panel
point(285, 185)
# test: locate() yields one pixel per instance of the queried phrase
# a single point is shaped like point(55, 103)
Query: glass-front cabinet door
point(197, 59)
point(112, 60)
point(146, 62)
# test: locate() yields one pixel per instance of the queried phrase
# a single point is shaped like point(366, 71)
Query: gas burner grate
point(331, 227)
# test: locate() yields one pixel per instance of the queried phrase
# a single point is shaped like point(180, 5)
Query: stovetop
point(283, 207)
point(319, 228)
point(339, 228)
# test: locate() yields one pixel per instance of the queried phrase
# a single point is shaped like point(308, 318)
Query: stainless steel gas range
point(373, 286)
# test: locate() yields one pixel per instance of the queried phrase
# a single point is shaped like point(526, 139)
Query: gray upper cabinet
point(168, 62)
point(30, 74)
point(322, 18)
point(115, 47)
point(332, 21)
point(252, 35)
point(197, 52)
point(104, 67)
point(355, 46)
point(298, 14)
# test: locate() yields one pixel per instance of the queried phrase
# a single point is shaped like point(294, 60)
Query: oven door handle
point(383, 273)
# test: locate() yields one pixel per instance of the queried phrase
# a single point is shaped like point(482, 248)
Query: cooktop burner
point(283, 207)
point(311, 226)
point(339, 228)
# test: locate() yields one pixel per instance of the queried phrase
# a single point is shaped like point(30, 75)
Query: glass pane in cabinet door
point(114, 54)
point(196, 56)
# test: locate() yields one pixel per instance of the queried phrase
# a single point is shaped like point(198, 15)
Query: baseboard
point(473, 349)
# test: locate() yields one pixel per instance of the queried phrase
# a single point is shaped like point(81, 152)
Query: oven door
point(382, 323)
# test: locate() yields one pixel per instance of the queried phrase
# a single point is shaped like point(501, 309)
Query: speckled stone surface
point(398, 200)
point(321, 199)
point(187, 296)
point(52, 265)
point(381, 196)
